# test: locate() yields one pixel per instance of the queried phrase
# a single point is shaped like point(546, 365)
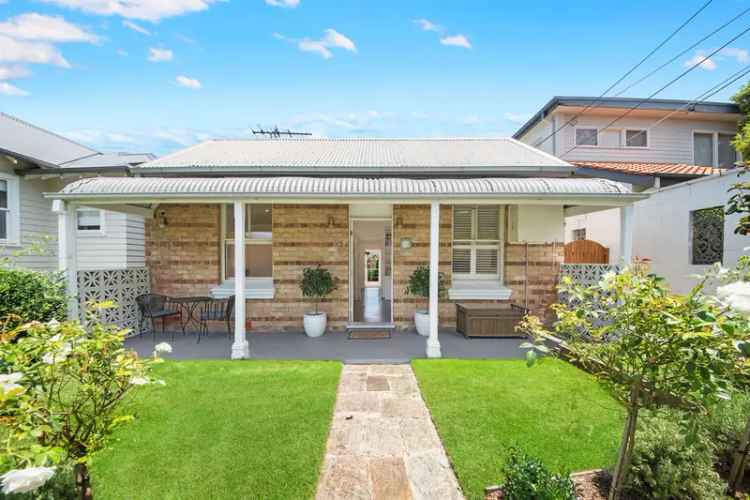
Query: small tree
point(651, 348)
point(741, 141)
point(61, 389)
point(317, 283)
point(419, 283)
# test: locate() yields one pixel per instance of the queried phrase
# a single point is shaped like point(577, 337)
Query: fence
point(586, 252)
point(119, 285)
point(587, 274)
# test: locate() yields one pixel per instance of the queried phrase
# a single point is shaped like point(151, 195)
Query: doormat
point(370, 334)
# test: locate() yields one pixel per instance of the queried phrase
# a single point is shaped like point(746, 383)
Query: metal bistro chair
point(152, 307)
point(216, 310)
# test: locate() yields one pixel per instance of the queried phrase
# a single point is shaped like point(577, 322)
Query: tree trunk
point(626, 445)
point(83, 482)
point(739, 461)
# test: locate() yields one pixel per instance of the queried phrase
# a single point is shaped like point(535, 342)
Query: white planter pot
point(315, 324)
point(422, 320)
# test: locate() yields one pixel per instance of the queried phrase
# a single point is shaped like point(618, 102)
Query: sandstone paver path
point(383, 444)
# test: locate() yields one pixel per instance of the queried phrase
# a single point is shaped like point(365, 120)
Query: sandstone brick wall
point(413, 221)
point(307, 236)
point(184, 256)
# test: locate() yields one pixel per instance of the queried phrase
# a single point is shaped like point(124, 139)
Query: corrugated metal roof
point(32, 142)
point(351, 154)
point(164, 188)
point(109, 160)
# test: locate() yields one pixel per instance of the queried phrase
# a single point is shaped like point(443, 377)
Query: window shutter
point(462, 260)
point(488, 223)
point(486, 261)
point(462, 222)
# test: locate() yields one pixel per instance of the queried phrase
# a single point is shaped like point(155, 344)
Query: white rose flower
point(737, 296)
point(25, 480)
point(163, 347)
point(53, 324)
point(139, 381)
point(58, 356)
point(8, 381)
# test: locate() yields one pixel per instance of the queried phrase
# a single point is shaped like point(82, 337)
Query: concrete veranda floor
point(401, 347)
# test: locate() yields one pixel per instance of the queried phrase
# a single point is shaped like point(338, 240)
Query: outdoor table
point(189, 306)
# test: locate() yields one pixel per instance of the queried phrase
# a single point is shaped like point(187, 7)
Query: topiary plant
point(527, 477)
point(317, 283)
point(419, 282)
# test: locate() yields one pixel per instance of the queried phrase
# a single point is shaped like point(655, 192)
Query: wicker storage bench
point(488, 320)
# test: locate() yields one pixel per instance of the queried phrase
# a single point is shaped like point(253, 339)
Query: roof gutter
point(60, 171)
point(430, 171)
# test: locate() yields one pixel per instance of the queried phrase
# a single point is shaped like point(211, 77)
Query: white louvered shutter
point(462, 224)
point(486, 260)
point(462, 260)
point(488, 223)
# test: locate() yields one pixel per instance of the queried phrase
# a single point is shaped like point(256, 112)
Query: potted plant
point(316, 283)
point(419, 286)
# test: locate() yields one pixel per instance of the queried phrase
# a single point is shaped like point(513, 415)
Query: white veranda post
point(433, 343)
point(626, 234)
point(67, 252)
point(240, 347)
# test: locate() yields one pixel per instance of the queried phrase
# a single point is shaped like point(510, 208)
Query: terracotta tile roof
point(648, 168)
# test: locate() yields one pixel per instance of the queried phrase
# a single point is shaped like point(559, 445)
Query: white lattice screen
point(587, 274)
point(120, 285)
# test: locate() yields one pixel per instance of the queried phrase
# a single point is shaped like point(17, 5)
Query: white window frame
point(477, 244)
point(13, 222)
point(90, 232)
point(379, 281)
point(575, 137)
point(251, 238)
point(646, 132)
point(714, 145)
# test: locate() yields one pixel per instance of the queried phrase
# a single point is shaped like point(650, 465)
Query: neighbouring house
point(487, 213)
point(34, 161)
point(678, 151)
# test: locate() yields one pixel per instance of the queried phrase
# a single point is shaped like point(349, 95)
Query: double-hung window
point(10, 216)
point(476, 241)
point(258, 241)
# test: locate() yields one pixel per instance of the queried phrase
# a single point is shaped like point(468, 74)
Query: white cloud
point(741, 55)
point(122, 52)
point(146, 10)
point(191, 83)
point(704, 62)
point(91, 136)
point(516, 117)
point(456, 41)
point(11, 90)
point(335, 39)
point(13, 72)
point(289, 4)
point(331, 39)
point(317, 47)
point(428, 25)
point(136, 27)
point(160, 55)
point(33, 26)
point(17, 51)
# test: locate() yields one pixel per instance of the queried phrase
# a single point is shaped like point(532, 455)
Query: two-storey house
point(679, 150)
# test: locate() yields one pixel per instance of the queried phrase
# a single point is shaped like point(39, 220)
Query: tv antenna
point(275, 133)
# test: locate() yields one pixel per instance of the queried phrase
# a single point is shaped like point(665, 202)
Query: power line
point(702, 97)
point(668, 84)
point(628, 73)
point(673, 59)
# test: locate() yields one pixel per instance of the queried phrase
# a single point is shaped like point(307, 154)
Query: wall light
point(162, 218)
point(406, 243)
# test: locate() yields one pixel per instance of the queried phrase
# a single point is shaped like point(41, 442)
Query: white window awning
point(135, 190)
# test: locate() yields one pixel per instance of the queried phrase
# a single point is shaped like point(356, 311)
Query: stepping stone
point(378, 383)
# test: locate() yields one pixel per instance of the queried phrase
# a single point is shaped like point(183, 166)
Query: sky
point(159, 75)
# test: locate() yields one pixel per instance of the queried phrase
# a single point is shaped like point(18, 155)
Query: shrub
point(317, 283)
point(670, 463)
point(724, 423)
point(419, 283)
point(31, 296)
point(526, 477)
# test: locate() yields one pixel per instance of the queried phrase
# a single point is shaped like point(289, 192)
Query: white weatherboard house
point(678, 151)
point(248, 216)
point(34, 161)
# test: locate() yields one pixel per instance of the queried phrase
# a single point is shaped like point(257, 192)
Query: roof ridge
point(333, 139)
point(37, 127)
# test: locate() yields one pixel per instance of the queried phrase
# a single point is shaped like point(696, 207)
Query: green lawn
point(223, 430)
point(551, 410)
